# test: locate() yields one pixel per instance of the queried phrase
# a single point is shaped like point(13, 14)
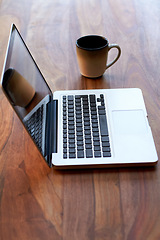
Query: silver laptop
point(78, 128)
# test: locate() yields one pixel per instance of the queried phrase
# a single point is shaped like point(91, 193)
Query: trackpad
point(129, 122)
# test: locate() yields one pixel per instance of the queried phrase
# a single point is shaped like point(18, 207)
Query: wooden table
point(37, 202)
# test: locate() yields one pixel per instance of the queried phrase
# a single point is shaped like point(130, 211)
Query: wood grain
point(41, 203)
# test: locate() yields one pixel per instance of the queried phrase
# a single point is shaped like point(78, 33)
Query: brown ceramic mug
point(92, 54)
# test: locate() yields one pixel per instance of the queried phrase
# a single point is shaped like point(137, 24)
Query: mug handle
point(118, 55)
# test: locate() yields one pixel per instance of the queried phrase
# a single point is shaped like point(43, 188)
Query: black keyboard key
point(71, 114)
point(80, 154)
point(70, 98)
point(71, 131)
point(94, 113)
point(64, 140)
point(95, 134)
point(64, 126)
point(64, 130)
point(95, 129)
point(80, 148)
point(64, 150)
point(101, 112)
point(79, 116)
point(79, 124)
point(94, 117)
point(86, 123)
point(103, 125)
point(80, 138)
point(94, 121)
point(71, 141)
point(86, 114)
point(72, 155)
point(64, 135)
point(79, 143)
point(70, 123)
point(93, 108)
point(72, 150)
point(78, 102)
point(88, 136)
point(96, 139)
point(101, 96)
point(106, 154)
point(97, 148)
point(88, 146)
point(87, 132)
point(86, 106)
point(71, 136)
point(88, 141)
point(70, 118)
point(79, 133)
point(64, 145)
point(86, 119)
point(105, 138)
point(79, 120)
point(89, 153)
point(97, 154)
point(79, 129)
point(65, 121)
point(87, 128)
point(78, 97)
point(65, 155)
point(101, 107)
point(71, 110)
point(94, 125)
point(105, 144)
point(71, 127)
point(86, 110)
point(106, 149)
point(96, 143)
point(72, 145)
point(92, 98)
point(70, 106)
point(84, 96)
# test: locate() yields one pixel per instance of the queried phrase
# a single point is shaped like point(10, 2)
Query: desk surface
point(41, 203)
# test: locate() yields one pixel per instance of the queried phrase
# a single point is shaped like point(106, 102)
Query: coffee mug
point(92, 54)
point(18, 89)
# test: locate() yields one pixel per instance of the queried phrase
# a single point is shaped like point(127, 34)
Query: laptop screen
point(22, 81)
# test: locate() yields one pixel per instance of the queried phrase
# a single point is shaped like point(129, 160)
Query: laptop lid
point(22, 81)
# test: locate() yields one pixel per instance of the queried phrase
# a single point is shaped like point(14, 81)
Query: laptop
point(77, 128)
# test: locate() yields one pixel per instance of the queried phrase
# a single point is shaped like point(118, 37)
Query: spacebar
point(103, 125)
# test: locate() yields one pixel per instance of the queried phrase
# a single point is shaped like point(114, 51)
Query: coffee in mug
point(92, 54)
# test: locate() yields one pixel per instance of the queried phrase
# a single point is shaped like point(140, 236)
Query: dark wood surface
point(37, 202)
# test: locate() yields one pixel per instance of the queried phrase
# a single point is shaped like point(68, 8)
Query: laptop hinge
point(51, 130)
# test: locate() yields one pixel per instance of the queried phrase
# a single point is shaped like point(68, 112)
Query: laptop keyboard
point(85, 130)
point(35, 125)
